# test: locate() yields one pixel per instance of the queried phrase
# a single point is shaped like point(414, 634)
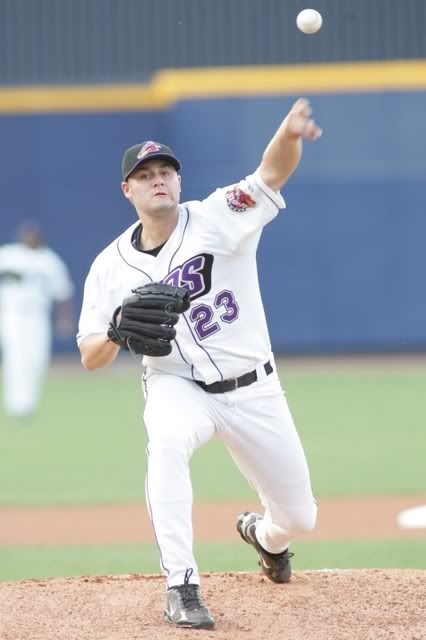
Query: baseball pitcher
point(180, 289)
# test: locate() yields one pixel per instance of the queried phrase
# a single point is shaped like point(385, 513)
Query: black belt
point(234, 383)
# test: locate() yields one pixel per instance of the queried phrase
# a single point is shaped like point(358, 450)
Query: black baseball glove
point(147, 318)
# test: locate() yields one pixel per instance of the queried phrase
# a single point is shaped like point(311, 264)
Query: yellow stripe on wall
point(171, 85)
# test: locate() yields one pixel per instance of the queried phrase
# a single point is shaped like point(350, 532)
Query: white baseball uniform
point(30, 280)
point(223, 335)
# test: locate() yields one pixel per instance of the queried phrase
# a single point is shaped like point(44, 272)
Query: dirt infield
point(332, 605)
point(346, 518)
point(317, 605)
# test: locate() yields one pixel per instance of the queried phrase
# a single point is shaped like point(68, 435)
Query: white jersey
point(211, 252)
point(31, 279)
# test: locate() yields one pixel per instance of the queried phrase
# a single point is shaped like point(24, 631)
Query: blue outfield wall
point(342, 269)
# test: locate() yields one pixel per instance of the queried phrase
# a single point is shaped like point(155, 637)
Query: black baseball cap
point(148, 150)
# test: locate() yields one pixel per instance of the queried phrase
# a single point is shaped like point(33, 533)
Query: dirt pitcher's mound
point(368, 604)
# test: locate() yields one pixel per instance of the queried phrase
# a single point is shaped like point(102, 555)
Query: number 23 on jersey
point(195, 274)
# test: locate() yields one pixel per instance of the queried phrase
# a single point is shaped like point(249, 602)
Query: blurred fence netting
point(89, 41)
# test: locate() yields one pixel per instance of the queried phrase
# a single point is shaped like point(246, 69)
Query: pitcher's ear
point(126, 190)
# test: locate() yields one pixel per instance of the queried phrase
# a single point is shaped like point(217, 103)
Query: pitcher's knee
point(304, 522)
point(298, 520)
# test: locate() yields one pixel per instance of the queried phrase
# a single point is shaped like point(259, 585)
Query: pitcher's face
point(153, 188)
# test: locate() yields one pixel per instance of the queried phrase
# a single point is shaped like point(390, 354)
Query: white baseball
point(309, 21)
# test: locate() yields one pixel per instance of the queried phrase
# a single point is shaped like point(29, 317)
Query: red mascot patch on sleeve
point(239, 201)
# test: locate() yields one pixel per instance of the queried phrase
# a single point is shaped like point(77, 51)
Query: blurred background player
point(32, 279)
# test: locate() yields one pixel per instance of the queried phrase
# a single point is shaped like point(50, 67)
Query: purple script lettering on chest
point(195, 274)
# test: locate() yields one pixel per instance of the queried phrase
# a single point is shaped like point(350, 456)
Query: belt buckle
point(235, 381)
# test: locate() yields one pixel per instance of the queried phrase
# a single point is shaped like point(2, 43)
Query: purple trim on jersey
point(183, 358)
point(201, 347)
point(181, 240)
point(180, 352)
point(267, 194)
point(128, 263)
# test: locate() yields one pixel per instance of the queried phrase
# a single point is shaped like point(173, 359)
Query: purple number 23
point(202, 314)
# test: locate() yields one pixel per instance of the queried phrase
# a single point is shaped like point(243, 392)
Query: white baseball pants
point(25, 347)
point(256, 426)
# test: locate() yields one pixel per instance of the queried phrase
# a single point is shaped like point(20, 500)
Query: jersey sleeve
point(94, 318)
point(239, 210)
point(61, 287)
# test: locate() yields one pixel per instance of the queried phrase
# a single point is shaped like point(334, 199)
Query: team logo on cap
point(238, 200)
point(149, 147)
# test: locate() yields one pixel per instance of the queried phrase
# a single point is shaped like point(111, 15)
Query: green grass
point(362, 428)
point(19, 563)
point(86, 445)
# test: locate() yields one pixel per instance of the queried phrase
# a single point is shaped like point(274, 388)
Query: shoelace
point(190, 597)
point(280, 560)
point(189, 593)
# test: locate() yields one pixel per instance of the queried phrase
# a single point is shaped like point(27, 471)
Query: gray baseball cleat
point(185, 608)
point(276, 566)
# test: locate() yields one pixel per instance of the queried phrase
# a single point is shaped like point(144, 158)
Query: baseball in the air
point(309, 21)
